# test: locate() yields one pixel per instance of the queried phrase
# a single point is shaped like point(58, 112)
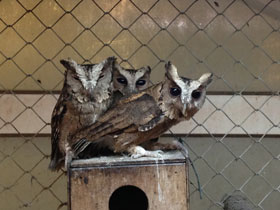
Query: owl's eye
point(141, 82)
point(122, 80)
point(76, 77)
point(175, 91)
point(196, 94)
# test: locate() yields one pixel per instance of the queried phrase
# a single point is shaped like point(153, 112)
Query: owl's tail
point(85, 149)
point(57, 161)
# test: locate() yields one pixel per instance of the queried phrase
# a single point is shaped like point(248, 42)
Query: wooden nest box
point(122, 183)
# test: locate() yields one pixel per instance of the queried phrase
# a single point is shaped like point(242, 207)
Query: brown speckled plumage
point(88, 91)
point(146, 115)
point(85, 95)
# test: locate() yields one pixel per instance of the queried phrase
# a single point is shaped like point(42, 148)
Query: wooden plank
point(109, 161)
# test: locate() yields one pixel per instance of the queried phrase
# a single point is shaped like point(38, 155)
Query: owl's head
point(128, 81)
point(183, 94)
point(86, 79)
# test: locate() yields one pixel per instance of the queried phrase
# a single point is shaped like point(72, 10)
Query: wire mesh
point(233, 142)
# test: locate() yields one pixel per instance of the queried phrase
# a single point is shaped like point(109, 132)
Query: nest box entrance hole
point(128, 197)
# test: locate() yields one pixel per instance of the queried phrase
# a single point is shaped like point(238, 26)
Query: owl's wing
point(56, 122)
point(151, 124)
point(128, 116)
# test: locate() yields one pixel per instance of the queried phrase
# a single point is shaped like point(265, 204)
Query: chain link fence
point(233, 140)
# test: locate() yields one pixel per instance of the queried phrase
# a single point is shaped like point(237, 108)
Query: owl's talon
point(137, 152)
point(156, 153)
point(68, 157)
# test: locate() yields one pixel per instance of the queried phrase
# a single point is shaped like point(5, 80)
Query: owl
point(146, 115)
point(86, 94)
point(128, 81)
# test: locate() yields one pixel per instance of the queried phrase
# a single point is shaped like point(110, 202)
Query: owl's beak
point(184, 108)
point(187, 105)
point(185, 99)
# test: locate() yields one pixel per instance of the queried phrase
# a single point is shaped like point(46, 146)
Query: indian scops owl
point(86, 94)
point(128, 81)
point(147, 115)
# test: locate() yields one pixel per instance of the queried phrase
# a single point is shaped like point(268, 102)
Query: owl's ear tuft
point(167, 65)
point(69, 64)
point(149, 70)
point(206, 79)
point(171, 71)
point(65, 63)
point(112, 58)
point(116, 65)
